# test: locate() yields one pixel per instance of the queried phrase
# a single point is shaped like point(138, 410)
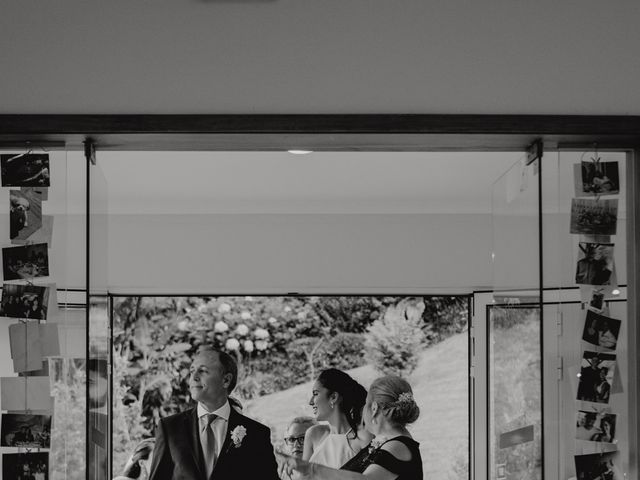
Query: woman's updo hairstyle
point(353, 396)
point(395, 398)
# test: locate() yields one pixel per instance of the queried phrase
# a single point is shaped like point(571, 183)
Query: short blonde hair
point(306, 421)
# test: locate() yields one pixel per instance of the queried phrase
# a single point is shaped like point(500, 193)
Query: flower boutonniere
point(237, 435)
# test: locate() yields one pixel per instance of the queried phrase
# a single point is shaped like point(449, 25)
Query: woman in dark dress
point(392, 454)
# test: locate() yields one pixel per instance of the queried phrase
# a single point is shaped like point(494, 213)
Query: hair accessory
point(404, 397)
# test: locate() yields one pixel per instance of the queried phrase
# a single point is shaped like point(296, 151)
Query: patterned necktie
point(209, 448)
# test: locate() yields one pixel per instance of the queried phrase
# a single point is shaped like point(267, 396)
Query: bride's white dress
point(334, 450)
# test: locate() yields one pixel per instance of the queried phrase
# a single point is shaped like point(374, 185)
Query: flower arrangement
point(237, 435)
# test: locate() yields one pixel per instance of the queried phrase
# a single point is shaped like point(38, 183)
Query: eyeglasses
point(294, 440)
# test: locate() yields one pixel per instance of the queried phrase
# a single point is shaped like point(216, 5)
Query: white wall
point(431, 253)
point(302, 253)
point(319, 56)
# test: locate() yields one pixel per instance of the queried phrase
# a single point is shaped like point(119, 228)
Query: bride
point(337, 399)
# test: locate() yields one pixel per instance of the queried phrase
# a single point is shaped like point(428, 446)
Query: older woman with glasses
point(294, 440)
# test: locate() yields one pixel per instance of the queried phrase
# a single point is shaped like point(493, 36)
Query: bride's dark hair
point(353, 396)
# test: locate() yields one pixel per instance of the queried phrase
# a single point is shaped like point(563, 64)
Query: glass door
point(98, 334)
point(507, 365)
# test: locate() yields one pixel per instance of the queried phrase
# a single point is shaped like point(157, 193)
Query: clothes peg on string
point(20, 155)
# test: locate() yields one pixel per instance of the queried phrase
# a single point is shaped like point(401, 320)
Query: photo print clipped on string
point(25, 262)
point(596, 377)
point(25, 170)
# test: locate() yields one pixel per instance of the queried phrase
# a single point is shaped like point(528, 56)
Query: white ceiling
point(279, 182)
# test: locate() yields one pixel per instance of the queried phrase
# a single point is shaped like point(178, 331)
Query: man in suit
point(212, 441)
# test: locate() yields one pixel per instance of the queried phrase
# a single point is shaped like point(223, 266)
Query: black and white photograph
point(25, 214)
point(25, 170)
point(42, 191)
point(599, 466)
point(596, 377)
point(600, 330)
point(595, 299)
point(25, 430)
point(24, 262)
point(251, 196)
point(595, 426)
point(595, 264)
point(44, 234)
point(596, 178)
point(590, 216)
point(25, 466)
point(24, 301)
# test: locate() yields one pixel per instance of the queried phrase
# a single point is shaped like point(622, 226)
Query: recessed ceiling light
point(300, 152)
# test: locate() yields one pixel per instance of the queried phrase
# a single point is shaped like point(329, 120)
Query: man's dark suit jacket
point(178, 454)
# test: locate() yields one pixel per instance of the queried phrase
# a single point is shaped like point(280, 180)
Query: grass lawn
point(440, 385)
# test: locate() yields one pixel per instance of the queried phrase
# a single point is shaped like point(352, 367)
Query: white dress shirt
point(219, 425)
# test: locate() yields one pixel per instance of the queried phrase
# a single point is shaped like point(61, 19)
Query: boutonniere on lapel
point(237, 435)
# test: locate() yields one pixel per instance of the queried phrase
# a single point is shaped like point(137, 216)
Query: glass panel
point(514, 390)
point(585, 215)
point(42, 334)
point(99, 388)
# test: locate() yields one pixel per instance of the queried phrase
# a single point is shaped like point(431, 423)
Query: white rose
point(232, 344)
point(287, 309)
point(220, 326)
point(237, 435)
point(302, 315)
point(242, 329)
point(224, 308)
point(261, 333)
point(273, 320)
point(245, 315)
point(261, 345)
point(248, 346)
point(183, 325)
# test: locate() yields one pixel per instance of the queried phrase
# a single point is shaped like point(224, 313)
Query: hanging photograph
point(25, 466)
point(594, 298)
point(596, 178)
point(25, 430)
point(28, 261)
point(600, 330)
point(24, 301)
point(590, 216)
point(24, 342)
point(595, 426)
point(42, 191)
point(25, 170)
point(25, 214)
point(599, 466)
point(596, 377)
point(595, 264)
point(42, 235)
point(25, 393)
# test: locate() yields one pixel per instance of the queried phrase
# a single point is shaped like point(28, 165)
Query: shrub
point(343, 351)
point(395, 341)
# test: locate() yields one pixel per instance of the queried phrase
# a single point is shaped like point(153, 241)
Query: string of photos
point(594, 218)
point(26, 402)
